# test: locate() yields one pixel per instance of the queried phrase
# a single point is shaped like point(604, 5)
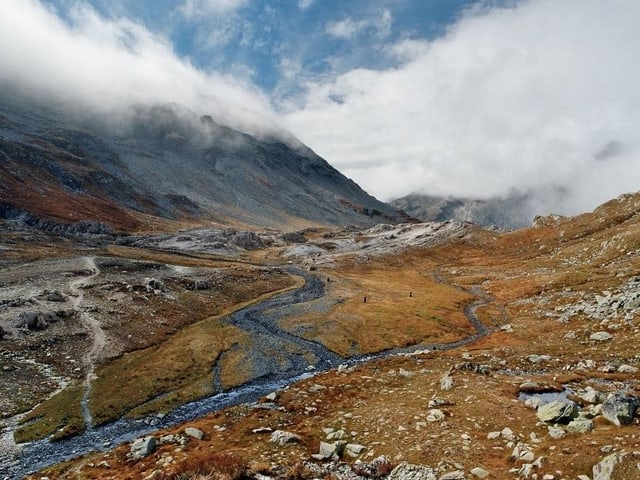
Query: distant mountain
point(510, 212)
point(164, 162)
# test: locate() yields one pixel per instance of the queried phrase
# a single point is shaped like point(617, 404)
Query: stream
point(262, 320)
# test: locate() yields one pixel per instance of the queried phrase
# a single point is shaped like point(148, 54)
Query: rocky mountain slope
point(157, 164)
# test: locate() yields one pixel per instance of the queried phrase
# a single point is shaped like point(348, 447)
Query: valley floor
point(559, 302)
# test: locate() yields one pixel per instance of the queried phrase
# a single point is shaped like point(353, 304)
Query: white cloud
point(110, 64)
point(199, 8)
point(522, 97)
point(304, 4)
point(348, 28)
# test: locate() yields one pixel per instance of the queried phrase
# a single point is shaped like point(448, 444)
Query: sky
point(467, 98)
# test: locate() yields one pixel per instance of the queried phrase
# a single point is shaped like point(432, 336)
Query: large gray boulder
point(620, 409)
point(559, 411)
point(142, 447)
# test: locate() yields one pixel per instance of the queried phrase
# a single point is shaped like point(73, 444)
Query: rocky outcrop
point(620, 409)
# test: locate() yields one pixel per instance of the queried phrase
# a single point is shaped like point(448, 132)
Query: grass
point(60, 417)
point(390, 317)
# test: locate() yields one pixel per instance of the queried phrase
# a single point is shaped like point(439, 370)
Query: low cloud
point(106, 65)
point(535, 96)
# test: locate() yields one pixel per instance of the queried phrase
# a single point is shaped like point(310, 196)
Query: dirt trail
point(96, 334)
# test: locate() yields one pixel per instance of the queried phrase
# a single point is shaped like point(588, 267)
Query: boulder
point(600, 336)
point(479, 472)
point(282, 438)
point(446, 382)
point(407, 471)
point(142, 447)
point(559, 411)
point(603, 470)
point(194, 433)
point(354, 449)
point(435, 415)
point(580, 426)
point(620, 409)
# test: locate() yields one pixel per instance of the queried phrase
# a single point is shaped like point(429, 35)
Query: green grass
point(60, 416)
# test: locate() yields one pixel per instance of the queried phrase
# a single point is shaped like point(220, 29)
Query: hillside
point(512, 211)
point(163, 164)
point(430, 348)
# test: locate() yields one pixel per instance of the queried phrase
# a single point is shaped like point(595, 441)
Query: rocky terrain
point(422, 351)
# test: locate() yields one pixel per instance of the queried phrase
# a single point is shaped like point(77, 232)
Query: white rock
point(280, 437)
point(435, 415)
point(194, 433)
point(600, 336)
point(446, 383)
point(479, 472)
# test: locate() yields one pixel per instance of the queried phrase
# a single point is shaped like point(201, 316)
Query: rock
point(262, 430)
point(272, 396)
point(172, 439)
point(559, 411)
point(446, 382)
point(354, 449)
point(557, 433)
point(600, 336)
point(405, 373)
point(327, 451)
point(439, 402)
point(142, 447)
point(507, 434)
point(337, 435)
point(194, 432)
point(378, 467)
point(603, 470)
point(591, 396)
point(479, 472)
point(406, 471)
point(493, 435)
point(627, 369)
point(620, 409)
point(455, 475)
point(282, 438)
point(435, 415)
point(538, 358)
point(580, 426)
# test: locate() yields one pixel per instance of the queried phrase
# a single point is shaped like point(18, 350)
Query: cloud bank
point(537, 96)
point(106, 65)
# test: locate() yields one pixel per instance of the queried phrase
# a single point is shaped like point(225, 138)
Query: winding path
point(96, 334)
point(259, 319)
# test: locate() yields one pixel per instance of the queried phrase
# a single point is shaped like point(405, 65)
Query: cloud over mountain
point(85, 60)
point(525, 96)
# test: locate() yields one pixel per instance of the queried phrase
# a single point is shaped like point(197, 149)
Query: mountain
point(510, 212)
point(165, 163)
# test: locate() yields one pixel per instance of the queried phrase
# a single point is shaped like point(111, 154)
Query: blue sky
point(445, 97)
point(265, 39)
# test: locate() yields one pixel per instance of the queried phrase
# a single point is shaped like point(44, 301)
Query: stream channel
point(261, 319)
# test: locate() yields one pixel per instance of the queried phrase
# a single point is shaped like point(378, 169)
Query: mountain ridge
point(167, 162)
